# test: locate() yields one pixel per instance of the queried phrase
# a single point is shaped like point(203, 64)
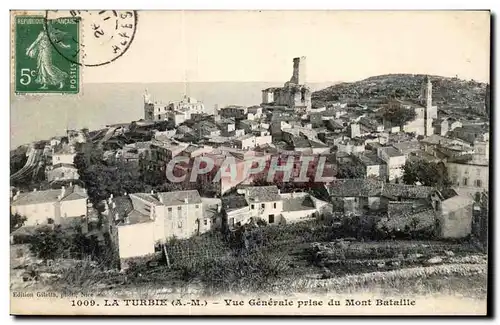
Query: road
point(32, 164)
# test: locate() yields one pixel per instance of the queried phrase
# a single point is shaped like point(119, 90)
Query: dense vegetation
point(426, 173)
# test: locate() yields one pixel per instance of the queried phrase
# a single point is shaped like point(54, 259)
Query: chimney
point(113, 205)
point(152, 192)
point(16, 196)
point(125, 194)
point(63, 192)
point(70, 184)
point(110, 198)
point(219, 208)
point(106, 208)
point(186, 200)
point(117, 216)
point(160, 198)
point(127, 220)
point(34, 190)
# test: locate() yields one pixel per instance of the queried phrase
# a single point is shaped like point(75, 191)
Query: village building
point(425, 111)
point(372, 165)
point(177, 111)
point(234, 111)
point(394, 160)
point(470, 174)
point(472, 132)
point(61, 172)
point(64, 155)
point(57, 206)
point(446, 213)
point(140, 222)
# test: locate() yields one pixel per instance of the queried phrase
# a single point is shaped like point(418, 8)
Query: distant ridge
point(447, 92)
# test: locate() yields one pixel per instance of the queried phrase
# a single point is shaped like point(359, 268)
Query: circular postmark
point(104, 36)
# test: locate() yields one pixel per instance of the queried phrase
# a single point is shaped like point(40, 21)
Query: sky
point(210, 46)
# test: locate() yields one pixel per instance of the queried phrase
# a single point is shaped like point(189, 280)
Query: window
point(275, 205)
point(271, 218)
point(179, 208)
point(478, 183)
point(179, 224)
point(451, 215)
point(263, 205)
point(197, 206)
point(253, 206)
point(205, 222)
point(169, 209)
point(466, 180)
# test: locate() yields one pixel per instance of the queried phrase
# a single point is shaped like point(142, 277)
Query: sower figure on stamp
point(41, 49)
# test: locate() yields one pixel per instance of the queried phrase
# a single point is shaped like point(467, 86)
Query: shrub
point(253, 271)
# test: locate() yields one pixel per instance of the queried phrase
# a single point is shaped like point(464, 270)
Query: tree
point(103, 178)
point(350, 170)
point(395, 113)
point(16, 221)
point(50, 244)
point(426, 173)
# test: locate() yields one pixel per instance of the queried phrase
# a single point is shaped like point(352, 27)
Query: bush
point(254, 271)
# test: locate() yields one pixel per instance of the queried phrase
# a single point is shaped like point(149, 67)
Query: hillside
point(448, 93)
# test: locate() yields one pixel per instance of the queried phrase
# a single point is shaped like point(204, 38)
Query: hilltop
point(448, 93)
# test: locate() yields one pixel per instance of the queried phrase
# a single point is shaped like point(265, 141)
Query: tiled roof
point(300, 203)
point(47, 196)
point(74, 196)
point(263, 193)
point(122, 207)
point(135, 217)
point(233, 202)
point(407, 191)
point(356, 188)
point(148, 197)
point(456, 202)
point(407, 146)
point(391, 151)
point(178, 197)
point(398, 209)
point(370, 159)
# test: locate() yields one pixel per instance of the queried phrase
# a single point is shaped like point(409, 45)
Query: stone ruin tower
point(299, 71)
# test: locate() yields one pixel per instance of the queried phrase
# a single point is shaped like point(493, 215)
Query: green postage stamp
point(42, 48)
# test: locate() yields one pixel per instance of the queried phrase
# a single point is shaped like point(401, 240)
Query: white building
point(54, 206)
point(394, 160)
point(142, 220)
point(65, 155)
point(176, 111)
point(264, 202)
point(470, 175)
point(60, 172)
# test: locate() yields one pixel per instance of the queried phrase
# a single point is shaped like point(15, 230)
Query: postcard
point(249, 162)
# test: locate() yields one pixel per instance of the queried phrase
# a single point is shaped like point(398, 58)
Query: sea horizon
point(101, 104)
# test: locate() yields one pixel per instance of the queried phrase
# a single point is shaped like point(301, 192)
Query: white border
point(198, 4)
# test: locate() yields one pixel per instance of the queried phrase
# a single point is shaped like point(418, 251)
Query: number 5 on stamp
point(41, 51)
